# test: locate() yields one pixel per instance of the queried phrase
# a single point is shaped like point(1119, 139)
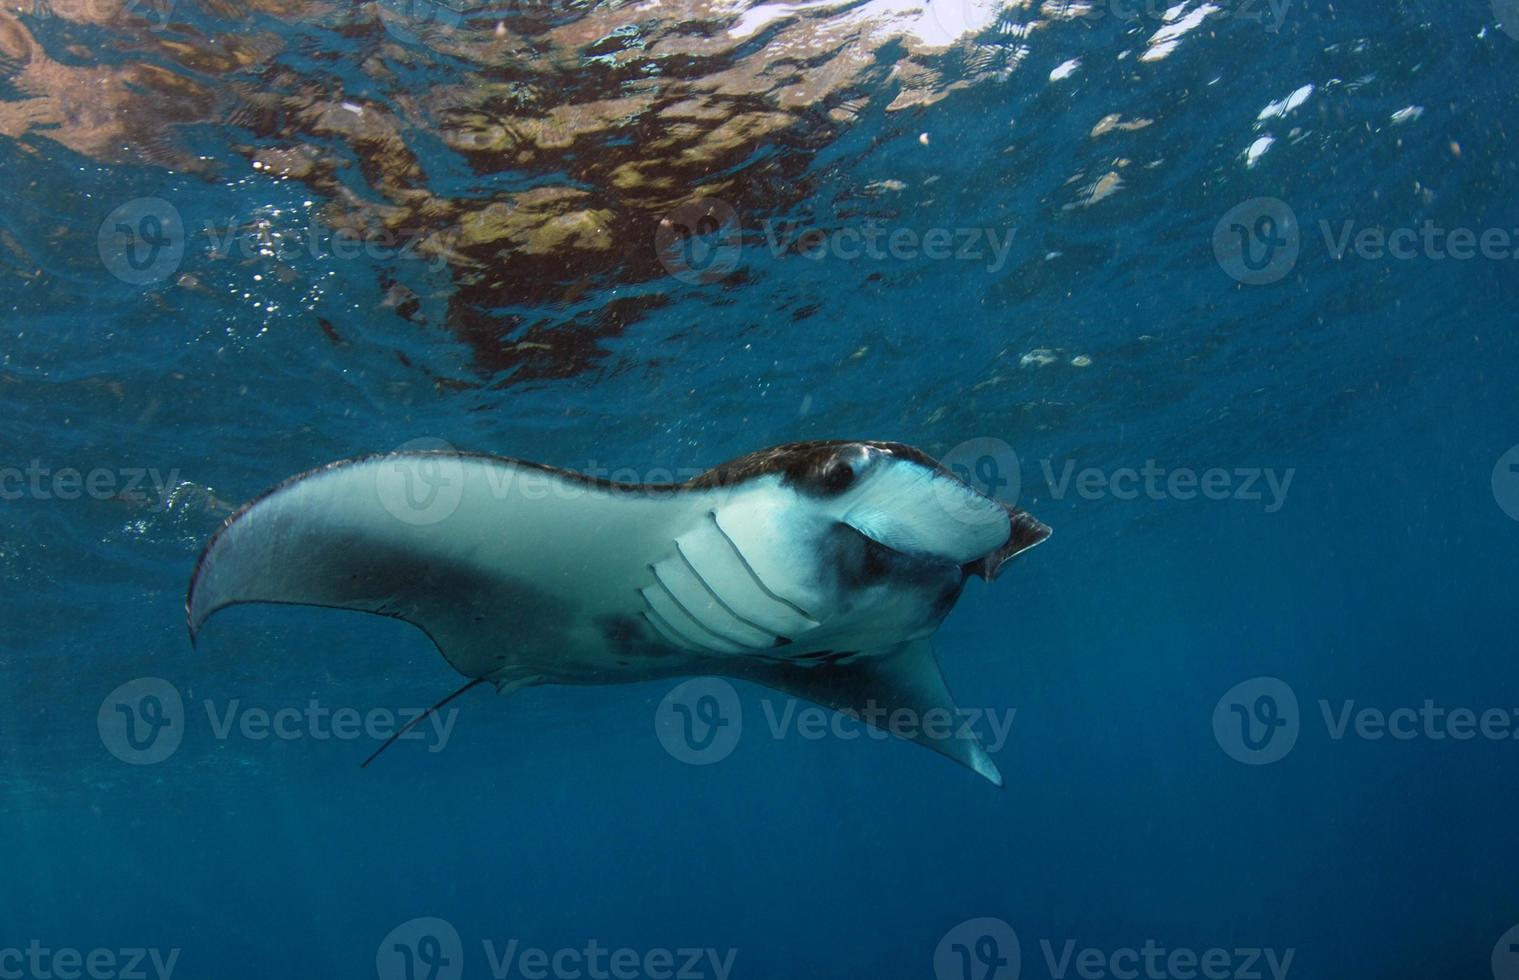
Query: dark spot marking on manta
point(362, 572)
point(628, 637)
point(857, 562)
point(946, 601)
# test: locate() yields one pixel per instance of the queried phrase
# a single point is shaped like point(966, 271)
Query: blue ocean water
point(1222, 292)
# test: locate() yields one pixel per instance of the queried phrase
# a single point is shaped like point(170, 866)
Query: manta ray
point(817, 569)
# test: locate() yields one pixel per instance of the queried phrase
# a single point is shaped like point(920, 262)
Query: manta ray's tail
point(417, 720)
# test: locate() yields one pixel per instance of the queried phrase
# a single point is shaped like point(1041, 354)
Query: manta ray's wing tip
point(987, 769)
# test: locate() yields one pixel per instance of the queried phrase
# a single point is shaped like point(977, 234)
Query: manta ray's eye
point(837, 477)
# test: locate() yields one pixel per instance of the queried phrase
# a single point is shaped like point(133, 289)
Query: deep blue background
point(555, 816)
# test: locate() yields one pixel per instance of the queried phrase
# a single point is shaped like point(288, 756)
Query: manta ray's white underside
point(523, 574)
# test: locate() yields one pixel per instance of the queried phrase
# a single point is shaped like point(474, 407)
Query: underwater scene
point(759, 489)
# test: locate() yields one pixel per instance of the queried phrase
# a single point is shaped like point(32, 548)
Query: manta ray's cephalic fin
point(876, 686)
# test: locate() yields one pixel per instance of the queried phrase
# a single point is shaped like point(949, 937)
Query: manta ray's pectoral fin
point(900, 691)
point(350, 536)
